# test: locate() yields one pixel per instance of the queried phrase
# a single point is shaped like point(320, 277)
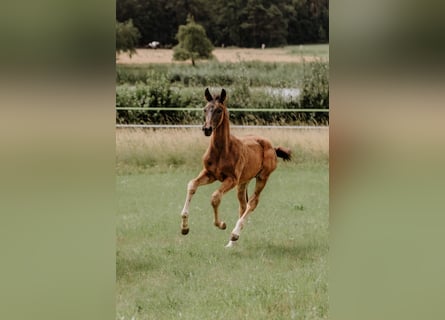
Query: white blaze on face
point(208, 118)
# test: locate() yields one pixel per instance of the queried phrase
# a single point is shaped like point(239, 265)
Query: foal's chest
point(219, 168)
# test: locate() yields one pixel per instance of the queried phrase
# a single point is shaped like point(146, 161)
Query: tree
point(193, 42)
point(127, 37)
point(243, 23)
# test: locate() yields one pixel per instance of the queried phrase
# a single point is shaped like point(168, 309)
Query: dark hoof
point(234, 237)
point(220, 225)
point(185, 231)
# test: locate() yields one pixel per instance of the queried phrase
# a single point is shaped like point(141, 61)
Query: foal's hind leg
point(251, 205)
point(203, 178)
point(242, 198)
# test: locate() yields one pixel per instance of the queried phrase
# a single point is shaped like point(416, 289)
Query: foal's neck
point(221, 136)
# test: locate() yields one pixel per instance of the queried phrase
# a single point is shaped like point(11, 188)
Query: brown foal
point(233, 161)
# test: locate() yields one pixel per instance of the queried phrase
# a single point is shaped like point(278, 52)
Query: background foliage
point(127, 36)
point(243, 23)
point(249, 85)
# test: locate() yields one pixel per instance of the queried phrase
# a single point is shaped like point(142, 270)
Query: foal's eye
point(218, 110)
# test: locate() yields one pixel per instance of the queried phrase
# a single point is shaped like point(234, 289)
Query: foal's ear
point(222, 96)
point(208, 95)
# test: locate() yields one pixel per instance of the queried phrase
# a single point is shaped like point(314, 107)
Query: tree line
point(242, 23)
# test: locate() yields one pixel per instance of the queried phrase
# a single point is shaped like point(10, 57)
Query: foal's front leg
point(226, 185)
point(203, 178)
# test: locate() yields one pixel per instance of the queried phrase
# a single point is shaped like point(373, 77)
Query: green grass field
point(278, 270)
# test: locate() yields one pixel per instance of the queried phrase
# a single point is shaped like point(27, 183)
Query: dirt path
point(223, 55)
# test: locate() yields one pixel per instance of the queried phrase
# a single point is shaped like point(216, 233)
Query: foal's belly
point(253, 160)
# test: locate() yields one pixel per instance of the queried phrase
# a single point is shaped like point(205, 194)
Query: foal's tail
point(284, 153)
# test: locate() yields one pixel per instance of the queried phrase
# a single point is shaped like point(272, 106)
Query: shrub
point(315, 89)
point(239, 97)
point(157, 93)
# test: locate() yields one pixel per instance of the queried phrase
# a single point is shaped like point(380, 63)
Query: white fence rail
point(163, 126)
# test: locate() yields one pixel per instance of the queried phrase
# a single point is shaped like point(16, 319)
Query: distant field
point(286, 54)
point(278, 270)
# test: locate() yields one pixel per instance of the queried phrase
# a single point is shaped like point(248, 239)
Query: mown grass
point(278, 270)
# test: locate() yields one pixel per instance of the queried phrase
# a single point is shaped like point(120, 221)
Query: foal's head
point(214, 111)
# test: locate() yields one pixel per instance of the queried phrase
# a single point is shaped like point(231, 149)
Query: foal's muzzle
point(207, 131)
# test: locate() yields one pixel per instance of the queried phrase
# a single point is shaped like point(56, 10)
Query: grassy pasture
point(278, 270)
